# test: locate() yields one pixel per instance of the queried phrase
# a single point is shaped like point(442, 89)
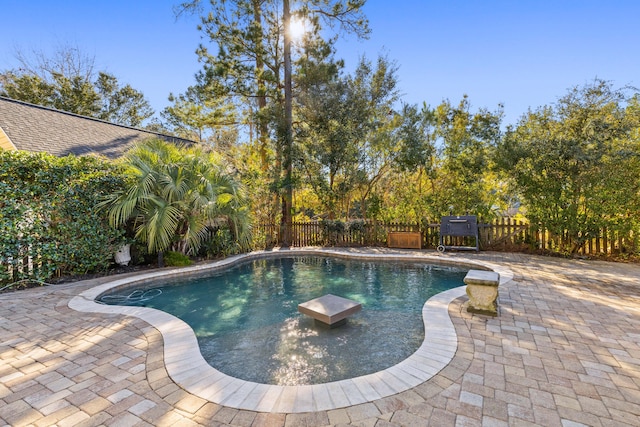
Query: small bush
point(220, 243)
point(176, 259)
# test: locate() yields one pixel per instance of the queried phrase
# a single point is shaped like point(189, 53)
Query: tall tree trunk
point(363, 206)
point(287, 195)
point(332, 199)
point(262, 125)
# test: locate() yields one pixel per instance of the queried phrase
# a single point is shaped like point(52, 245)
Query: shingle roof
point(35, 128)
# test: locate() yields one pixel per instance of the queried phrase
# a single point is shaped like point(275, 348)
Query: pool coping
point(186, 366)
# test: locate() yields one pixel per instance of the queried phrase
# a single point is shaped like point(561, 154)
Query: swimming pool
point(247, 325)
point(188, 369)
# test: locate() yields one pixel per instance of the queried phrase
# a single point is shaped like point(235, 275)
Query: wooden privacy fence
point(499, 234)
point(26, 263)
point(504, 232)
point(604, 242)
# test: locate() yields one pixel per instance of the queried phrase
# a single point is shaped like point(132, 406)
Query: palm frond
point(175, 193)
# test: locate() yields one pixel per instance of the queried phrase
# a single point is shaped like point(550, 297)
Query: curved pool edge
point(186, 366)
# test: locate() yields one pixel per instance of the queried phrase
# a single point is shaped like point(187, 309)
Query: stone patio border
point(186, 366)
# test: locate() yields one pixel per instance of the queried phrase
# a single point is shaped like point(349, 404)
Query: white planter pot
point(123, 256)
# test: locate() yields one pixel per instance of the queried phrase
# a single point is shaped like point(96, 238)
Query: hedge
point(49, 225)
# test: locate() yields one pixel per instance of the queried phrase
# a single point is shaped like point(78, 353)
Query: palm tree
point(175, 195)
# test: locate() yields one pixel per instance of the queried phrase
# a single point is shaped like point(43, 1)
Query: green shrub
point(220, 242)
point(176, 259)
point(332, 231)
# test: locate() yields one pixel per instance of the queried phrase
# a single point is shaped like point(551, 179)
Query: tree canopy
point(68, 81)
point(249, 59)
point(575, 163)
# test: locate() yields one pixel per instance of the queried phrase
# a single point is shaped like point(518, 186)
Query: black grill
point(454, 228)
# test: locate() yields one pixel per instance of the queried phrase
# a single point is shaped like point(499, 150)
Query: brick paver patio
point(565, 351)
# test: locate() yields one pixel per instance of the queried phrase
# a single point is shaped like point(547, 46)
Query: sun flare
point(297, 28)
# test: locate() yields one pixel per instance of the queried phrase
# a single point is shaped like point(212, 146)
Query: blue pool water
point(248, 326)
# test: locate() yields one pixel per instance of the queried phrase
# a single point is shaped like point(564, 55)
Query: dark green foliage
point(47, 211)
point(66, 80)
point(334, 231)
point(176, 259)
point(463, 181)
point(349, 135)
point(220, 243)
point(105, 98)
point(415, 139)
point(575, 164)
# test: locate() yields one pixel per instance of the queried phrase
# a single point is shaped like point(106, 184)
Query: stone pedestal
point(330, 310)
point(482, 289)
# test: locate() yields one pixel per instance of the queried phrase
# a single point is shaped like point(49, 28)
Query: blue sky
point(521, 53)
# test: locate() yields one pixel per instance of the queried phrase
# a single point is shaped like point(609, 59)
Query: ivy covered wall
point(49, 225)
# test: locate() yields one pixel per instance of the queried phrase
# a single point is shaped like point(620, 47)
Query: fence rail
point(27, 263)
point(499, 234)
point(504, 232)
